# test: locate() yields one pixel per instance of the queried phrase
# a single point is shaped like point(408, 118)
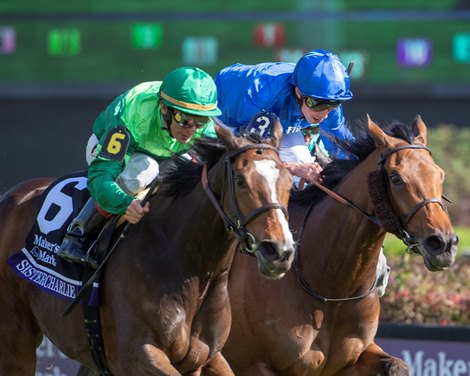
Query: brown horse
point(164, 300)
point(322, 317)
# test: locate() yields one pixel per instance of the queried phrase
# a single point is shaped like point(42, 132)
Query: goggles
point(320, 104)
point(189, 121)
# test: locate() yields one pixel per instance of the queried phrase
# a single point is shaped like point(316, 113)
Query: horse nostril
point(268, 249)
point(273, 251)
point(435, 243)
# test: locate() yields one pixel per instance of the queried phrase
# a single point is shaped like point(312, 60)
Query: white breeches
point(139, 172)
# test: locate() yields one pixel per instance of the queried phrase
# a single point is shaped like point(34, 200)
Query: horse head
point(256, 198)
point(413, 184)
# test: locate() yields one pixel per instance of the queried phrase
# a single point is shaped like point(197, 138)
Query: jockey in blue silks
point(307, 93)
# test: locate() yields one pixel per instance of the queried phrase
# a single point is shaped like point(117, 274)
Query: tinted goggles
point(189, 121)
point(320, 104)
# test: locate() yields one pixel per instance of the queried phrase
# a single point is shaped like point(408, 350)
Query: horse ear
point(276, 134)
point(225, 135)
point(420, 127)
point(379, 136)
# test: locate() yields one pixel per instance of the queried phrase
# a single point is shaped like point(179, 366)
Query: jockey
point(307, 93)
point(137, 131)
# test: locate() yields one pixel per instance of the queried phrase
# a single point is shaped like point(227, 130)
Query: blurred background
point(61, 64)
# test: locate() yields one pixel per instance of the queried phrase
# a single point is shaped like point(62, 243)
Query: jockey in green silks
point(138, 130)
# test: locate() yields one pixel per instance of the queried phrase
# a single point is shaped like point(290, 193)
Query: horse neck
point(341, 242)
point(198, 235)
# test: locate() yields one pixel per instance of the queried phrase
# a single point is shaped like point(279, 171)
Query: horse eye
point(239, 180)
point(395, 178)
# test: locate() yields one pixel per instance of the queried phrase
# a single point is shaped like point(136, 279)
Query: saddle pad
point(37, 261)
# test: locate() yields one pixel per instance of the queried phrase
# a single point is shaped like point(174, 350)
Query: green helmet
point(190, 90)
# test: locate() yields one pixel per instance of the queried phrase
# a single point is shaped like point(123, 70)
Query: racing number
point(260, 125)
point(59, 199)
point(264, 122)
point(115, 144)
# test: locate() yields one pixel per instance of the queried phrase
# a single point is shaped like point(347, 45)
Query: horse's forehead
point(252, 156)
point(413, 160)
point(416, 166)
point(261, 168)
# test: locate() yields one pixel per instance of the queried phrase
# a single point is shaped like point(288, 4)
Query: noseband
point(236, 223)
point(400, 232)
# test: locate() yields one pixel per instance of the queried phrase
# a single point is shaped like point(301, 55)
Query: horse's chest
point(203, 336)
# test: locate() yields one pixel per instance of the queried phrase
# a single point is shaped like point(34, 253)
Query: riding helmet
point(190, 90)
point(320, 74)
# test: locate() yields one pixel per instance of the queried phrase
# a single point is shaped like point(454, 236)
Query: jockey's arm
point(307, 170)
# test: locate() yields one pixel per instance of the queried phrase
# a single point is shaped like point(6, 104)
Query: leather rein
point(402, 233)
point(236, 222)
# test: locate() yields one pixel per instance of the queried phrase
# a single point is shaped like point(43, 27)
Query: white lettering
point(440, 366)
point(292, 129)
point(430, 367)
point(444, 365)
point(46, 258)
point(46, 280)
point(460, 368)
point(416, 365)
point(44, 243)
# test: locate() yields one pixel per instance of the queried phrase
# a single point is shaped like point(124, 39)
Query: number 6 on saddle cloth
point(38, 262)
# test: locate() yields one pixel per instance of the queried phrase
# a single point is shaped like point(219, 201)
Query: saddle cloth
point(37, 261)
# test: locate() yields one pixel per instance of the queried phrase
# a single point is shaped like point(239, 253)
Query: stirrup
point(78, 257)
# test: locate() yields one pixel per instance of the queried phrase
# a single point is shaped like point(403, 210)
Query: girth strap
point(91, 317)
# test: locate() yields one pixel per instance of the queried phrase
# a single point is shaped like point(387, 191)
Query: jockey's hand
point(307, 171)
point(135, 212)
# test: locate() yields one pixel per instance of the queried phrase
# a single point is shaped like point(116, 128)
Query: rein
point(237, 224)
point(401, 233)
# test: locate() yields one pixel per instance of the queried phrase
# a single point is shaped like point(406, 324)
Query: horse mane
point(359, 148)
point(181, 174)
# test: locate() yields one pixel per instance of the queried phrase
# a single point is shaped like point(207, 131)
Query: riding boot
point(80, 236)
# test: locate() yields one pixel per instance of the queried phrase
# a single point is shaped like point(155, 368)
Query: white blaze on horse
point(164, 303)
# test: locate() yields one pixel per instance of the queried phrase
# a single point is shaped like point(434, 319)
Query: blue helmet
point(320, 74)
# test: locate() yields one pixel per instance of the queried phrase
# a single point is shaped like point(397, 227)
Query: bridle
point(236, 222)
point(404, 220)
point(400, 233)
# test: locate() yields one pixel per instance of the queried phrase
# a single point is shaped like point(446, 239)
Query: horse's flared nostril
point(274, 251)
point(269, 250)
point(435, 243)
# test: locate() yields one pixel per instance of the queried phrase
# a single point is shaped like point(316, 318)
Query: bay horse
point(321, 318)
point(164, 302)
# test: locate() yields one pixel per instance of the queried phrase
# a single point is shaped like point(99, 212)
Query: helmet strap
point(298, 97)
point(166, 117)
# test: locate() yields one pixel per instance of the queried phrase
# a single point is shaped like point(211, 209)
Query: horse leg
point(19, 338)
point(376, 362)
point(217, 366)
point(151, 361)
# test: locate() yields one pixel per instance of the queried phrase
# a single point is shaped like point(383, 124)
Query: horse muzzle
point(274, 259)
point(438, 250)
